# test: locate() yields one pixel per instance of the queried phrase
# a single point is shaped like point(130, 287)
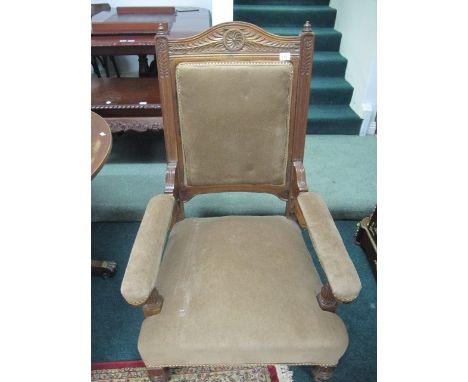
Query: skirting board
point(368, 119)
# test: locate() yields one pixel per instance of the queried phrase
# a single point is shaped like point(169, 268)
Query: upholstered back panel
point(234, 121)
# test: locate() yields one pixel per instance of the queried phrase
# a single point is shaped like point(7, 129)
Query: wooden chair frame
point(235, 41)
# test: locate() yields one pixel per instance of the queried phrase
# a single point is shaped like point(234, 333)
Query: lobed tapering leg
point(326, 299)
point(158, 375)
point(322, 373)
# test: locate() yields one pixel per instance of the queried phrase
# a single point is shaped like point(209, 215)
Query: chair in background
point(237, 290)
point(95, 9)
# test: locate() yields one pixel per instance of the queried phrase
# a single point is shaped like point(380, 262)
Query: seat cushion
point(239, 290)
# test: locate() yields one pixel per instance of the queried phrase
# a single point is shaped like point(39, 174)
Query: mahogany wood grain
point(146, 10)
point(125, 97)
point(124, 27)
point(127, 104)
point(101, 143)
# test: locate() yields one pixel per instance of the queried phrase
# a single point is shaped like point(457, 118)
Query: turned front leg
point(158, 375)
point(322, 373)
point(154, 304)
point(326, 299)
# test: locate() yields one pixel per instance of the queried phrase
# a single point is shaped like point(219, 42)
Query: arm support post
point(343, 280)
point(138, 285)
point(153, 304)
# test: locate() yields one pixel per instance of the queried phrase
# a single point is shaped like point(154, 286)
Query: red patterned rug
point(134, 371)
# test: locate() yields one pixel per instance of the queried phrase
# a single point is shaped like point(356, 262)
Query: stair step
point(330, 91)
point(329, 110)
point(327, 39)
point(281, 2)
point(326, 119)
point(318, 15)
point(329, 64)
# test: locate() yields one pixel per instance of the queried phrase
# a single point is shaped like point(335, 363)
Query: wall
point(357, 21)
point(222, 11)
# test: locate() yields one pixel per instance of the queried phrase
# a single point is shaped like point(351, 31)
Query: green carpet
point(341, 168)
point(115, 324)
point(329, 111)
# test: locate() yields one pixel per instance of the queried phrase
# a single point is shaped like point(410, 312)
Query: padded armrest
point(145, 258)
point(336, 263)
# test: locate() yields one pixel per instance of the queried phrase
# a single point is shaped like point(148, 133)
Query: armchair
point(236, 290)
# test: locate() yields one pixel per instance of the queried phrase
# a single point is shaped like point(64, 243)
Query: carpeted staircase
point(329, 111)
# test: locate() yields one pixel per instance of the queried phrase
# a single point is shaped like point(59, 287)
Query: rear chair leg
point(322, 373)
point(158, 375)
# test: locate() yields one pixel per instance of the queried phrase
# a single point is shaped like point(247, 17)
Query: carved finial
point(307, 27)
point(162, 29)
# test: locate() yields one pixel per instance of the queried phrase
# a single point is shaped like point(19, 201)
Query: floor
point(342, 168)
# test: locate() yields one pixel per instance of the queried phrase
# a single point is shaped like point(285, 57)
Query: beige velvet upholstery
point(234, 121)
point(338, 267)
point(239, 290)
point(145, 258)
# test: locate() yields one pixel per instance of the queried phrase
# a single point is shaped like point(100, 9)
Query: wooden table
point(101, 144)
point(133, 33)
point(132, 104)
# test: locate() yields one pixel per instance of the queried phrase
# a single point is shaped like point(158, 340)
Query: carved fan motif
point(233, 39)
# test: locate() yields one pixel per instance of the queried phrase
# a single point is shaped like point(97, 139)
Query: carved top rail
point(233, 38)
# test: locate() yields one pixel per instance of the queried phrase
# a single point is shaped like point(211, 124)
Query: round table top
point(101, 143)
